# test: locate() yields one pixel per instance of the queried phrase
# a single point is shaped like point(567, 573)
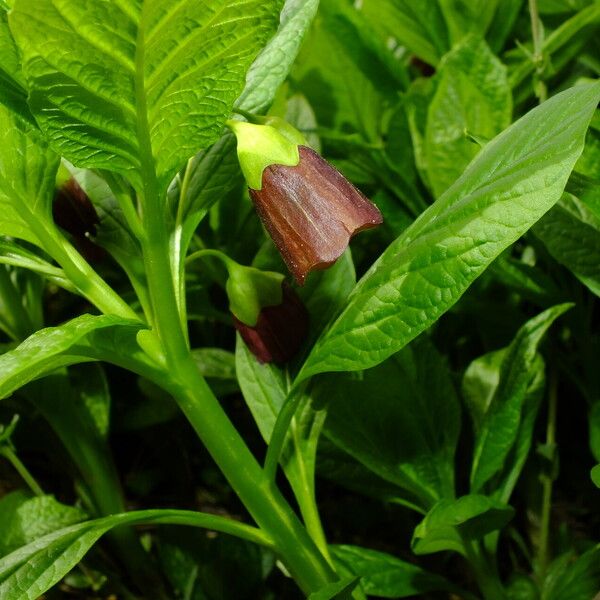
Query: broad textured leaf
point(54, 347)
point(386, 576)
point(419, 25)
point(595, 475)
point(500, 425)
point(511, 183)
point(411, 437)
point(24, 519)
point(472, 96)
point(27, 176)
point(571, 233)
point(137, 87)
point(452, 522)
point(28, 572)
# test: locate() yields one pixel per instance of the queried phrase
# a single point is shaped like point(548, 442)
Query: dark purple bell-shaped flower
point(308, 207)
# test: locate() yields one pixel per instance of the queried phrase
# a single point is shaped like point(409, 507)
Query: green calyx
point(272, 141)
point(250, 290)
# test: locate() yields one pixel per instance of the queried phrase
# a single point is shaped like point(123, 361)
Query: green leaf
point(472, 96)
point(416, 423)
point(571, 234)
point(112, 232)
point(265, 390)
point(28, 572)
point(352, 88)
point(594, 428)
point(272, 65)
point(573, 578)
point(337, 590)
point(479, 384)
point(93, 395)
point(12, 253)
point(386, 576)
point(595, 475)
point(218, 367)
point(419, 26)
point(214, 172)
point(500, 423)
point(158, 83)
point(199, 567)
point(13, 93)
point(54, 347)
point(27, 175)
point(450, 523)
point(465, 17)
point(24, 519)
point(511, 183)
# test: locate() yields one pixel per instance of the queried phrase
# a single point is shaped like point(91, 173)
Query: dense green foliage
point(446, 400)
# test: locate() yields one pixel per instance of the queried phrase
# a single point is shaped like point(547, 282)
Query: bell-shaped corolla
point(310, 209)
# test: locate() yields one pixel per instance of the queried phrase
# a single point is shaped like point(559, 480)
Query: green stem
point(264, 502)
point(212, 253)
point(21, 469)
point(485, 574)
point(538, 52)
point(547, 483)
point(17, 321)
point(282, 426)
point(262, 499)
point(81, 274)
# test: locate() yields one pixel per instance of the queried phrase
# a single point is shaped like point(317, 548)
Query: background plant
point(432, 395)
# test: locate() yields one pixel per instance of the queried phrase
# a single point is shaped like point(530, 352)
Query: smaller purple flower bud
point(279, 331)
point(73, 211)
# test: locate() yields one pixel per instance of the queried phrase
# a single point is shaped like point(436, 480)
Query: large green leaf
point(511, 183)
point(137, 87)
point(27, 176)
point(451, 523)
point(571, 233)
point(28, 572)
point(82, 339)
point(386, 576)
point(415, 425)
point(500, 424)
point(472, 95)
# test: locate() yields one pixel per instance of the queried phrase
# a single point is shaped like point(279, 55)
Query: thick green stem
point(262, 499)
